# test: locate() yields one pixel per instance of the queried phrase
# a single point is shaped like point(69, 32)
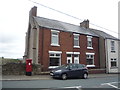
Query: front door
point(69, 58)
point(76, 58)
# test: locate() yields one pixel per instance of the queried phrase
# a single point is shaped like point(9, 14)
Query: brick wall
point(19, 69)
point(66, 45)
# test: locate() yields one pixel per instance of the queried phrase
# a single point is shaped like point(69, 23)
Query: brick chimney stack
point(33, 11)
point(85, 24)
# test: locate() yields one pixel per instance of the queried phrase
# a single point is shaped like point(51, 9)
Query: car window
point(73, 66)
point(81, 66)
point(63, 67)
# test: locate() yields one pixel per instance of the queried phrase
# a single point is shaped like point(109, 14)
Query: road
point(102, 82)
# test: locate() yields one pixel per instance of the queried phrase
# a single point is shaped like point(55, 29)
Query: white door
point(76, 58)
point(69, 58)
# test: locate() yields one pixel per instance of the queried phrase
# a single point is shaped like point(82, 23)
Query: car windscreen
point(63, 67)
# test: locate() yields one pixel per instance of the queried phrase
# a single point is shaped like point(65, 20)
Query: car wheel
point(85, 75)
point(64, 76)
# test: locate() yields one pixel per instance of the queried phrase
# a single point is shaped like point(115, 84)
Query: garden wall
point(19, 69)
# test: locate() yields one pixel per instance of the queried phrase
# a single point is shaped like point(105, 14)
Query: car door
point(73, 70)
point(80, 70)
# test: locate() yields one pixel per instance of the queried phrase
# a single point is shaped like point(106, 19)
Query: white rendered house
point(111, 55)
point(109, 51)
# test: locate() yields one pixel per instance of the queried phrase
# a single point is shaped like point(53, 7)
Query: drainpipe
point(106, 55)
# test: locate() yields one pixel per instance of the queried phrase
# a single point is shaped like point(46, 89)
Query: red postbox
point(28, 67)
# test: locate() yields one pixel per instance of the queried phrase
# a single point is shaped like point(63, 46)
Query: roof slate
point(103, 34)
point(59, 25)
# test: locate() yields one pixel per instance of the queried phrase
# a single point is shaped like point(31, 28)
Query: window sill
point(76, 46)
point(90, 65)
point(89, 47)
point(55, 45)
point(52, 67)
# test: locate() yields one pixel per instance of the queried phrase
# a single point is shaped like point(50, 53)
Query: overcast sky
point(14, 15)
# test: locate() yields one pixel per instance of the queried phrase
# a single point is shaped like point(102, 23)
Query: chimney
point(33, 11)
point(85, 24)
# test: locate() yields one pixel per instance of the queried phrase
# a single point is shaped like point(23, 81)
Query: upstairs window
point(54, 38)
point(76, 41)
point(112, 46)
point(89, 42)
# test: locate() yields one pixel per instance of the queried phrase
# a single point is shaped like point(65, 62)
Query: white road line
point(77, 87)
point(113, 86)
point(110, 84)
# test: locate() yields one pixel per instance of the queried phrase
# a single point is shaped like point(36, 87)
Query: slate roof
point(59, 25)
point(103, 34)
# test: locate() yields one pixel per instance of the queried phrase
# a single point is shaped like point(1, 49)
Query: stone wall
point(19, 69)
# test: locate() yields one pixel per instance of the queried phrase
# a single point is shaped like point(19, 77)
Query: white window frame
point(57, 36)
point(113, 60)
point(55, 56)
point(112, 46)
point(89, 39)
point(78, 41)
point(93, 59)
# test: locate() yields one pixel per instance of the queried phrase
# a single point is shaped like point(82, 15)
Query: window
point(73, 66)
point(89, 42)
point(90, 59)
point(54, 59)
point(113, 62)
point(76, 55)
point(76, 40)
point(69, 55)
point(55, 38)
point(81, 66)
point(112, 46)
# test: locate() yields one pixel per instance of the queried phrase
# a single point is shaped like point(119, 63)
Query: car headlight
point(58, 71)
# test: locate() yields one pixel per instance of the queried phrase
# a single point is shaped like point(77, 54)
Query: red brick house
point(52, 43)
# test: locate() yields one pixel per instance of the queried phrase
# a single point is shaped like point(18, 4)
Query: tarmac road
point(103, 81)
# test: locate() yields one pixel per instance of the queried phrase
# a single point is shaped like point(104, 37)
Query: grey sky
point(15, 14)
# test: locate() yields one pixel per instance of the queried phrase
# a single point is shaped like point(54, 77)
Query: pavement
point(48, 77)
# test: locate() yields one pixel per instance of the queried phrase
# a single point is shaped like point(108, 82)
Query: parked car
point(70, 71)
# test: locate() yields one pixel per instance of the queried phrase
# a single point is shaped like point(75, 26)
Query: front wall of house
point(66, 42)
point(111, 55)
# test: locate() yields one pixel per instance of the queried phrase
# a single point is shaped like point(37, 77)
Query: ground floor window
point(90, 59)
point(54, 59)
point(113, 62)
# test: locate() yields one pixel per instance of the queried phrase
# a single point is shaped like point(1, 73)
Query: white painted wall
point(110, 55)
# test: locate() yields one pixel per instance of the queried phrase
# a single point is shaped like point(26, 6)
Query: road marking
point(77, 87)
point(110, 84)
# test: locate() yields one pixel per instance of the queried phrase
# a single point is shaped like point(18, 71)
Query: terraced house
point(108, 51)
point(52, 43)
